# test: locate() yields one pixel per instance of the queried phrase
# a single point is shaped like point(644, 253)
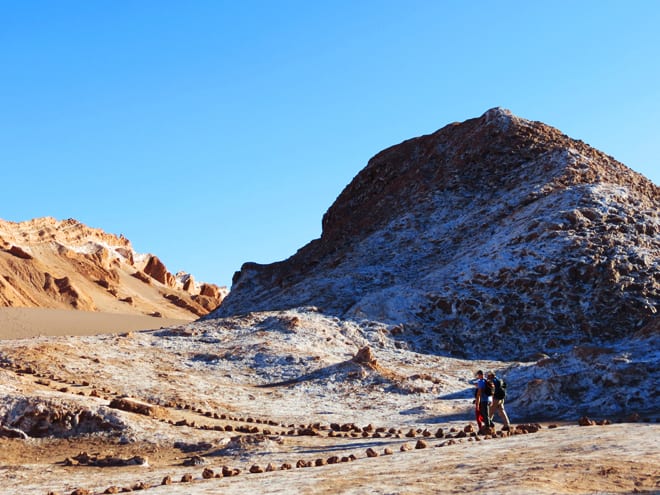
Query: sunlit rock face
point(67, 265)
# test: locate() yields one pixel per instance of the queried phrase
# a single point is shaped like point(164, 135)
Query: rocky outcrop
point(211, 291)
point(62, 289)
point(157, 270)
point(67, 265)
point(38, 418)
point(188, 283)
point(497, 226)
point(137, 407)
point(19, 253)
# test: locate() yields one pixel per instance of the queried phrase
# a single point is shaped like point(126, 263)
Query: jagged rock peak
point(498, 116)
point(494, 225)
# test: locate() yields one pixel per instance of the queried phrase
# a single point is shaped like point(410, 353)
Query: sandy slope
point(17, 323)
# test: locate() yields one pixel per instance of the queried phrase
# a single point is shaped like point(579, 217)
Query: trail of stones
point(179, 414)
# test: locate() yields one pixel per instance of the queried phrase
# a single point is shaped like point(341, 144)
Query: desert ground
point(20, 323)
point(279, 403)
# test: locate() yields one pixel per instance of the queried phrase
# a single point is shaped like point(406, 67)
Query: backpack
point(489, 388)
point(500, 388)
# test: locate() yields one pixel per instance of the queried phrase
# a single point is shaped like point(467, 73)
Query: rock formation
point(65, 264)
point(157, 270)
point(497, 226)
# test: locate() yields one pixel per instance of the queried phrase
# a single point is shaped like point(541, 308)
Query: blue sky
point(211, 133)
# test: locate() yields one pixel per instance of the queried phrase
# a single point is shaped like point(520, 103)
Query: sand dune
point(19, 323)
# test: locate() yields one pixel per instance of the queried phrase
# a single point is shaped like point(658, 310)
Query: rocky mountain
point(491, 237)
point(64, 264)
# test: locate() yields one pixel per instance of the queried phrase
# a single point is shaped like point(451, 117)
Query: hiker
point(477, 412)
point(499, 395)
point(484, 399)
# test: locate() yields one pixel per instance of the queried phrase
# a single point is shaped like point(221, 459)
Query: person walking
point(484, 398)
point(499, 395)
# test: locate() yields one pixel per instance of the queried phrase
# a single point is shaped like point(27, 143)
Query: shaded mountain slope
point(494, 226)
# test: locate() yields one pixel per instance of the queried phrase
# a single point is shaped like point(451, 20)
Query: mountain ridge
point(68, 265)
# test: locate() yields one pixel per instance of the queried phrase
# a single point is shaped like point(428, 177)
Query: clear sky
point(214, 132)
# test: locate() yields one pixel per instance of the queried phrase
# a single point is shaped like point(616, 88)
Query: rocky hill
point(64, 264)
point(491, 237)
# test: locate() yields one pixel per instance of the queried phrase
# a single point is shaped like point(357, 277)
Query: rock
point(8, 432)
point(138, 460)
point(189, 284)
point(528, 428)
point(156, 270)
point(195, 460)
point(143, 277)
point(19, 253)
point(167, 480)
point(371, 452)
point(585, 421)
point(208, 474)
point(405, 447)
point(64, 290)
point(137, 407)
point(210, 290)
point(256, 469)
point(365, 356)
point(227, 472)
point(421, 444)
point(187, 478)
point(484, 430)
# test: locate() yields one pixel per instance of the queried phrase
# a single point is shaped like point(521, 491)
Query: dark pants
point(484, 409)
